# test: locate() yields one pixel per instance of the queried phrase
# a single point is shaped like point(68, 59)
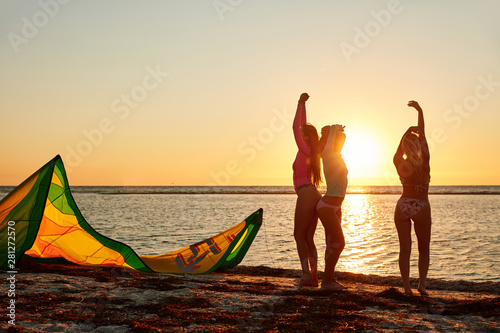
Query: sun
point(362, 153)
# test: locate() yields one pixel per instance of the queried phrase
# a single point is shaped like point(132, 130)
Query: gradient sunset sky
point(204, 92)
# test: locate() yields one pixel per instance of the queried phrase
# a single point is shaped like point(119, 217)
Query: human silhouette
point(329, 207)
point(412, 164)
point(306, 180)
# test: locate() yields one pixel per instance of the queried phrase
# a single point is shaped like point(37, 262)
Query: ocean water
point(465, 241)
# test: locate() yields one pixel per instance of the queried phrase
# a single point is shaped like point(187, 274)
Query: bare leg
point(403, 226)
point(335, 243)
point(305, 210)
point(312, 252)
point(423, 223)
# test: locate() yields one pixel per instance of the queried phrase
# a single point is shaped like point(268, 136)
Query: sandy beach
point(59, 298)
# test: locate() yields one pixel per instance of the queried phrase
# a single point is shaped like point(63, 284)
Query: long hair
point(413, 150)
point(314, 160)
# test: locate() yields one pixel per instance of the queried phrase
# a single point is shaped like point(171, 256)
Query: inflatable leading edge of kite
point(39, 220)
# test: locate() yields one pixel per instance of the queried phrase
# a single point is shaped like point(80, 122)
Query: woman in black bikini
point(412, 163)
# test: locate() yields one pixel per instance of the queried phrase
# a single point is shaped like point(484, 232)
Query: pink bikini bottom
point(322, 204)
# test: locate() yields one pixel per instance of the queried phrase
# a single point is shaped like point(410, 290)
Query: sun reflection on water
point(370, 239)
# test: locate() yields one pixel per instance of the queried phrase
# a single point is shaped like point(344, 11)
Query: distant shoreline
point(266, 193)
point(266, 189)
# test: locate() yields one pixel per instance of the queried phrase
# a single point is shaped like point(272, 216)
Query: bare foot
point(332, 286)
point(409, 292)
point(313, 282)
point(422, 291)
point(305, 280)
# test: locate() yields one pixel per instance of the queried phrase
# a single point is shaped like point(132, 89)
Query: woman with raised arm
point(306, 180)
point(329, 207)
point(412, 163)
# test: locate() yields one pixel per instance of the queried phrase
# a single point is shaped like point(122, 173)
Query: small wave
point(260, 190)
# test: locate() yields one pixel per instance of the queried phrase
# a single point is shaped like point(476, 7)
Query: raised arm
point(421, 125)
point(329, 147)
point(299, 120)
point(325, 131)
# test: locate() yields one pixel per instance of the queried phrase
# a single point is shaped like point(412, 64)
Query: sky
point(204, 92)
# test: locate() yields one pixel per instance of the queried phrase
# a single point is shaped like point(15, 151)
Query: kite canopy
point(39, 220)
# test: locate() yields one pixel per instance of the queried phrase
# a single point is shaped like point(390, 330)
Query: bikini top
point(411, 179)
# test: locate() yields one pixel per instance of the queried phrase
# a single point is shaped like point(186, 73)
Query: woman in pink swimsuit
point(306, 180)
point(412, 163)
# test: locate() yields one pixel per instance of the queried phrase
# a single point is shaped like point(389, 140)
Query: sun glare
point(361, 153)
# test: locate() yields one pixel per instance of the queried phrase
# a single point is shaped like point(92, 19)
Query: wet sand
point(61, 298)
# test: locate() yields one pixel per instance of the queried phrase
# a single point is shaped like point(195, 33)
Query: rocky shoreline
point(61, 298)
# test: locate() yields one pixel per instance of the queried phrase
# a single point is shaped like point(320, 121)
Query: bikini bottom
point(410, 207)
point(302, 186)
point(322, 204)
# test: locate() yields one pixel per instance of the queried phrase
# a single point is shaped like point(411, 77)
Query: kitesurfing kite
point(39, 220)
